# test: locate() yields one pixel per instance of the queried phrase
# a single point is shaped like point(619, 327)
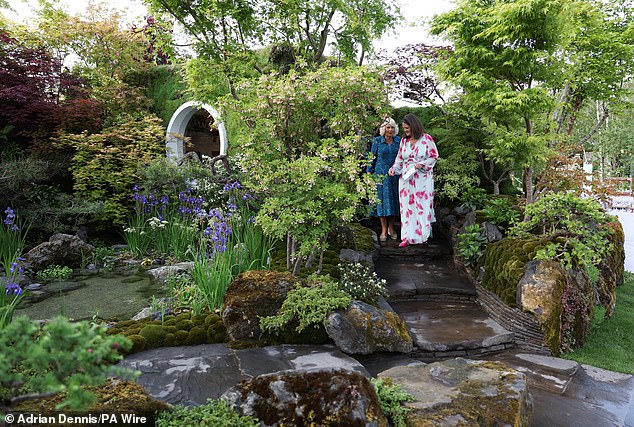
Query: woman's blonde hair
point(388, 122)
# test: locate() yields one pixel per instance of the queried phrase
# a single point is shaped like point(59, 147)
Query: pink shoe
point(403, 243)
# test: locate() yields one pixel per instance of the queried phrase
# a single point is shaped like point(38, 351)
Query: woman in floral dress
point(384, 150)
point(415, 163)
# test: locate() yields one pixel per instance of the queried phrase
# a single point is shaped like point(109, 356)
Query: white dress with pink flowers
point(416, 193)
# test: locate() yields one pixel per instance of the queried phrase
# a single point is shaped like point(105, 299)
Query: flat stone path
point(437, 303)
point(440, 308)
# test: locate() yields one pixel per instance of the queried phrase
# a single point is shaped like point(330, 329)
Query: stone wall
point(528, 334)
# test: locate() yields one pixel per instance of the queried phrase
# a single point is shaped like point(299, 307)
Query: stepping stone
point(546, 372)
point(464, 392)
point(190, 375)
point(452, 329)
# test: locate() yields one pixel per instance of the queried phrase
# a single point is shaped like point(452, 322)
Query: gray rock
point(190, 375)
point(472, 392)
point(34, 287)
point(61, 249)
point(143, 314)
point(365, 329)
point(313, 397)
point(356, 256)
point(160, 274)
point(492, 232)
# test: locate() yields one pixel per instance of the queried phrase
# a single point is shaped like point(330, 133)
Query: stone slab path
point(440, 308)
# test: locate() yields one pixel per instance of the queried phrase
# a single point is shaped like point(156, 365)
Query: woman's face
point(406, 130)
point(389, 130)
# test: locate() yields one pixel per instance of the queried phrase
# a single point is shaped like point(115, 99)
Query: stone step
point(407, 279)
point(546, 372)
point(442, 329)
point(431, 251)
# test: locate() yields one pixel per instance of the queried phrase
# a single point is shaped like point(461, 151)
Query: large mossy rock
point(251, 295)
point(461, 392)
point(504, 263)
point(327, 397)
point(61, 249)
point(561, 301)
point(365, 329)
point(612, 268)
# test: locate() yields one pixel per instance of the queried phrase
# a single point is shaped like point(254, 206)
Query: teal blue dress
point(384, 155)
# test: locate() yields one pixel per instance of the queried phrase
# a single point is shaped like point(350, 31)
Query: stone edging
point(528, 334)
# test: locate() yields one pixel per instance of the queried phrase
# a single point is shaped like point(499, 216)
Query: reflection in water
point(112, 296)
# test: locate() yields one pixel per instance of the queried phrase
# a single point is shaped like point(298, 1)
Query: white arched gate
point(177, 129)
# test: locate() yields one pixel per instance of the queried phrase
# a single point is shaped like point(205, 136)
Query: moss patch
point(183, 329)
point(115, 396)
point(504, 263)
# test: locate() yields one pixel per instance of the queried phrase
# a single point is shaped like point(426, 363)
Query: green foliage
point(500, 211)
point(308, 306)
point(575, 227)
point(166, 90)
point(471, 244)
point(525, 69)
point(59, 357)
point(391, 397)
point(215, 413)
point(300, 149)
point(54, 272)
point(104, 165)
point(361, 283)
point(474, 197)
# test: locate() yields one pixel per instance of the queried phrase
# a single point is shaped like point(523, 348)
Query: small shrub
point(501, 212)
point(391, 396)
point(574, 226)
point(58, 357)
point(474, 197)
point(215, 413)
point(308, 306)
point(471, 244)
point(361, 283)
point(54, 272)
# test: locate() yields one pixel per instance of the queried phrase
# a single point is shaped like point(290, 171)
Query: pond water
point(108, 295)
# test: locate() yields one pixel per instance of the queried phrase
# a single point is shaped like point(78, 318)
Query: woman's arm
point(428, 161)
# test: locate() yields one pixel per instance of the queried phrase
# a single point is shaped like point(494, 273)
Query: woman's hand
point(390, 172)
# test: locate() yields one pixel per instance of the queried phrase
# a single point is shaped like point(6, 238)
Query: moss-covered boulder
point(251, 295)
point(461, 392)
point(113, 397)
point(182, 329)
point(504, 263)
point(365, 329)
point(612, 268)
point(331, 397)
point(561, 301)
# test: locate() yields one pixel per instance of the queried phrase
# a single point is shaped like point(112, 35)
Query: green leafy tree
point(225, 33)
point(303, 151)
point(105, 165)
point(524, 71)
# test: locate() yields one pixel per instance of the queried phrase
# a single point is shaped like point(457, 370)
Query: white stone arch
point(178, 126)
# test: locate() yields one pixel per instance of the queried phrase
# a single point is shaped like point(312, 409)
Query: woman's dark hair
point(414, 124)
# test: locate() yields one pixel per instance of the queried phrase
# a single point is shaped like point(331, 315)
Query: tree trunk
point(527, 183)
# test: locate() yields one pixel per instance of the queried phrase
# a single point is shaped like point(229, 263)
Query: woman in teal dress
point(384, 150)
